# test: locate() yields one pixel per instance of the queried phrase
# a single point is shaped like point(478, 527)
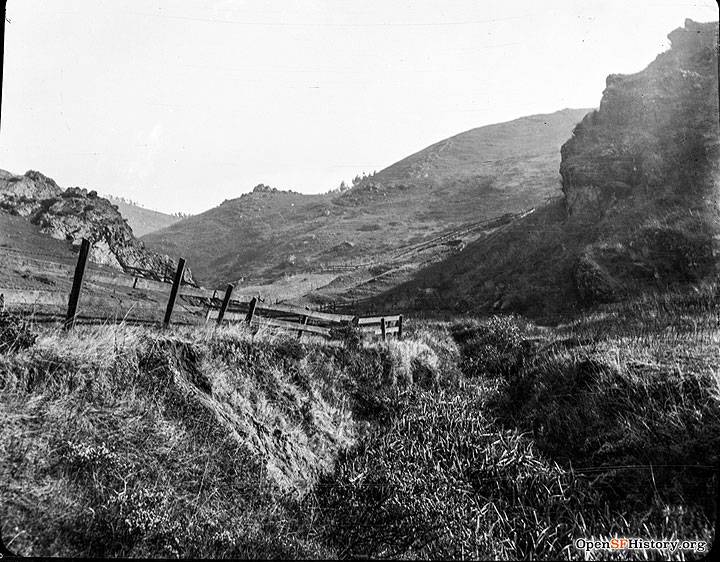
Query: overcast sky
point(180, 104)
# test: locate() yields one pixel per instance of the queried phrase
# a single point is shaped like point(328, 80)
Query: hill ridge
point(480, 174)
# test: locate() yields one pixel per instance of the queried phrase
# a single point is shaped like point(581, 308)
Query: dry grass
point(475, 439)
point(132, 442)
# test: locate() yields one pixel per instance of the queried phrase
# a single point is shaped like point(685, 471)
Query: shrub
point(15, 333)
point(413, 363)
point(349, 334)
point(494, 347)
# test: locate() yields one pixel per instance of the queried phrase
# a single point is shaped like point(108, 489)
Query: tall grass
point(635, 410)
point(488, 438)
point(129, 442)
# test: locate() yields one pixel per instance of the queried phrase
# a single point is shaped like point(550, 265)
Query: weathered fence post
point(251, 312)
point(174, 291)
point(225, 303)
point(302, 323)
point(77, 284)
point(400, 320)
point(382, 327)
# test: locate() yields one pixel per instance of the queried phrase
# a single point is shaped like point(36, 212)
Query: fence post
point(302, 323)
point(400, 320)
point(251, 312)
point(174, 291)
point(382, 327)
point(77, 284)
point(225, 303)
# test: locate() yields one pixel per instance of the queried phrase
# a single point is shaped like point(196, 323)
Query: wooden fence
point(184, 305)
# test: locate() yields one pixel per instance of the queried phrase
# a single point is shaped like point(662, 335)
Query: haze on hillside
point(181, 105)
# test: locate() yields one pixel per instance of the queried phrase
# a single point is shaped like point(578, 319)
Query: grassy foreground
point(488, 438)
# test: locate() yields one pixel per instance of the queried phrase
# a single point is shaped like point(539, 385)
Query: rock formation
point(644, 169)
point(655, 134)
point(73, 214)
point(640, 209)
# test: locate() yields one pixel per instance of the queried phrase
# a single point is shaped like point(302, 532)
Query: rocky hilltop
point(640, 198)
point(73, 214)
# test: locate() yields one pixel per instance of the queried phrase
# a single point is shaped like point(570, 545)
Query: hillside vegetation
point(470, 439)
point(473, 176)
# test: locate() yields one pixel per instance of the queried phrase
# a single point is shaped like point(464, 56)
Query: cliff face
point(644, 171)
point(656, 132)
point(74, 214)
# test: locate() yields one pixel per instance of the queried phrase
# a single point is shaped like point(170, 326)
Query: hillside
point(639, 210)
point(473, 176)
point(142, 220)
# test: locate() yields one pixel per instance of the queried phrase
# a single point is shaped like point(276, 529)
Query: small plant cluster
point(141, 512)
point(493, 347)
point(82, 454)
point(15, 334)
point(349, 335)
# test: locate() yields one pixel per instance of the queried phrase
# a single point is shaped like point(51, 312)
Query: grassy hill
point(142, 220)
point(476, 175)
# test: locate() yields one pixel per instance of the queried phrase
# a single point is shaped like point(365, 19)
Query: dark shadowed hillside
point(641, 180)
point(473, 176)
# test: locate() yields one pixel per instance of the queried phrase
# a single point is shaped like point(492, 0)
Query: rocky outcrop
point(644, 171)
point(655, 134)
point(74, 214)
point(640, 211)
point(32, 185)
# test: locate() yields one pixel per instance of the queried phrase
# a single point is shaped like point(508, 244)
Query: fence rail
point(148, 302)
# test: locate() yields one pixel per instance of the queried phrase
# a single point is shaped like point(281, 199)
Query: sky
point(181, 104)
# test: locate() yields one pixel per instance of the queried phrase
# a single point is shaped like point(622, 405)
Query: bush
point(14, 333)
point(495, 347)
point(413, 363)
point(349, 334)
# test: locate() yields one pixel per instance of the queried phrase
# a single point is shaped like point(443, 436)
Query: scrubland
point(472, 438)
